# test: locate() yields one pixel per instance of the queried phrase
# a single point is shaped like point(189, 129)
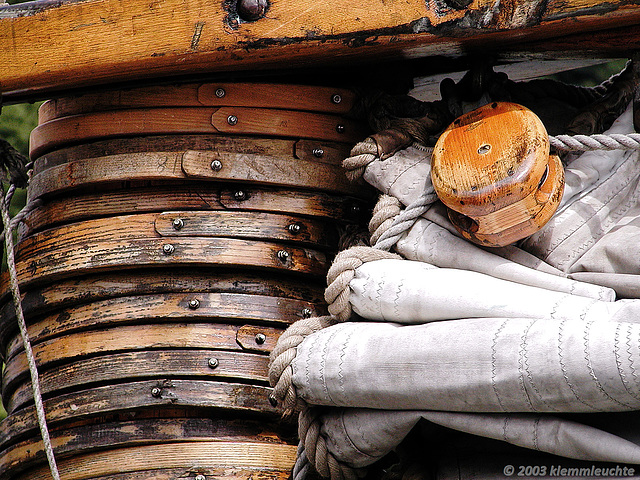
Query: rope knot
point(362, 155)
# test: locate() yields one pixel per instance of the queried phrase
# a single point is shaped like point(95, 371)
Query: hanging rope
point(17, 301)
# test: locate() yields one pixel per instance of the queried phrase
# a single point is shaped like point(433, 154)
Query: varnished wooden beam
point(54, 46)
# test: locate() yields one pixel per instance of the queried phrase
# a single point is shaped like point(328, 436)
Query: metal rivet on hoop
point(283, 255)
point(252, 10)
point(307, 313)
point(340, 128)
point(194, 304)
point(213, 362)
point(294, 228)
point(220, 92)
point(232, 120)
point(156, 392)
point(200, 477)
point(240, 195)
point(337, 98)
point(177, 223)
point(318, 152)
point(261, 338)
point(216, 165)
point(168, 249)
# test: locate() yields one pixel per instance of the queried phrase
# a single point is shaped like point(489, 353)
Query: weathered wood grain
point(222, 94)
point(125, 242)
point(194, 455)
point(92, 288)
point(198, 36)
point(131, 396)
point(137, 337)
point(256, 225)
point(90, 437)
point(108, 369)
point(256, 167)
point(215, 307)
point(203, 196)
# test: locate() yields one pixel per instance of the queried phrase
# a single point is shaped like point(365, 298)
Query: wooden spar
point(53, 46)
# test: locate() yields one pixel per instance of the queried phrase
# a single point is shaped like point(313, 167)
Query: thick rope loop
point(342, 272)
point(362, 155)
point(387, 208)
point(280, 370)
point(313, 450)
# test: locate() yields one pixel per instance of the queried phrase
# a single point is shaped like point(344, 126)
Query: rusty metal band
point(198, 196)
point(124, 397)
point(204, 364)
point(264, 456)
point(175, 307)
point(90, 437)
point(68, 348)
point(92, 288)
point(183, 121)
point(260, 95)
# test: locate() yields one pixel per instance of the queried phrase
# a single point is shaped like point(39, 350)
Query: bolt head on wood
point(216, 165)
point(261, 338)
point(156, 392)
point(168, 249)
point(213, 362)
point(252, 10)
point(194, 304)
point(177, 223)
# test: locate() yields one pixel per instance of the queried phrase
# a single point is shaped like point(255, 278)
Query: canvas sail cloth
point(494, 342)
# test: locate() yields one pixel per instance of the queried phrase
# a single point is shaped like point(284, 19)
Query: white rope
point(405, 220)
point(585, 143)
point(17, 301)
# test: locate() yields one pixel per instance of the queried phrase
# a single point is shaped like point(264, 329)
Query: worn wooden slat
point(191, 164)
point(16, 387)
point(219, 473)
point(201, 196)
point(120, 398)
point(92, 437)
point(222, 94)
point(178, 121)
point(227, 307)
point(200, 37)
point(75, 250)
point(186, 454)
point(92, 288)
point(136, 337)
point(257, 225)
point(262, 170)
point(269, 147)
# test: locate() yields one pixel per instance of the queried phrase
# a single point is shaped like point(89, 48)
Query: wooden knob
point(491, 167)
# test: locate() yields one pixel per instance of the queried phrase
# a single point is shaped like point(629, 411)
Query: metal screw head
point(340, 128)
point(283, 255)
point(156, 392)
point(240, 195)
point(252, 10)
point(194, 303)
point(177, 223)
point(294, 228)
point(168, 249)
point(213, 362)
point(200, 477)
point(216, 165)
point(355, 209)
point(318, 152)
point(261, 338)
point(306, 313)
point(273, 401)
point(337, 98)
point(220, 92)
point(232, 120)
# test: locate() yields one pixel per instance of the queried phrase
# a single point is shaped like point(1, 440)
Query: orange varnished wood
point(177, 121)
point(196, 37)
point(492, 169)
